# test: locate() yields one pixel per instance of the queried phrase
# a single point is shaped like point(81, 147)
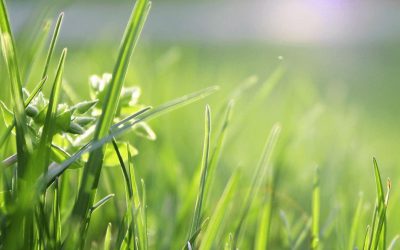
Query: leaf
point(203, 181)
point(49, 127)
point(216, 219)
point(24, 143)
point(93, 167)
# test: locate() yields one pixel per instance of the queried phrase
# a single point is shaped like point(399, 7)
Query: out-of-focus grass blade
point(24, 143)
point(302, 235)
point(56, 216)
point(101, 202)
point(354, 225)
point(393, 242)
point(142, 227)
point(53, 42)
point(50, 121)
point(107, 238)
point(36, 45)
point(263, 228)
point(214, 225)
point(196, 222)
point(91, 174)
point(367, 238)
point(257, 180)
point(315, 214)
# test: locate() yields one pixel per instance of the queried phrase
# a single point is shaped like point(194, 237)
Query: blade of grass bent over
point(93, 167)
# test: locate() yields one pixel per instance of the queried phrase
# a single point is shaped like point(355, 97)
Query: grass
point(80, 169)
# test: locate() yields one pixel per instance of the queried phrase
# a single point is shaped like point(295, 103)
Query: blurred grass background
point(337, 103)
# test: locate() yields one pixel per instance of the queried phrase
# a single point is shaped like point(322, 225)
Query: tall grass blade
point(354, 226)
point(43, 153)
point(196, 222)
point(91, 174)
point(216, 153)
point(52, 46)
point(215, 222)
point(107, 238)
point(24, 143)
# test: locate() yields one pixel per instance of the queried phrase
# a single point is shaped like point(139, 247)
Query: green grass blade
point(53, 42)
point(216, 153)
point(196, 222)
point(263, 228)
point(24, 143)
point(50, 121)
point(367, 238)
point(142, 228)
point(93, 167)
point(216, 219)
point(302, 235)
point(36, 46)
point(107, 238)
point(101, 202)
point(354, 226)
point(315, 232)
point(258, 178)
point(393, 242)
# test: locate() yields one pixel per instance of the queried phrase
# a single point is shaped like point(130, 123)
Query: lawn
point(278, 156)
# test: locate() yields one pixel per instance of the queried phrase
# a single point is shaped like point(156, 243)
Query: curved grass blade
point(101, 202)
point(217, 217)
point(203, 181)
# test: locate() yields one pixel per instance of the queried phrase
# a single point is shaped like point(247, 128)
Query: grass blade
point(355, 223)
point(203, 181)
point(258, 179)
point(93, 167)
point(315, 232)
point(48, 131)
point(217, 217)
point(216, 153)
point(24, 143)
point(101, 202)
